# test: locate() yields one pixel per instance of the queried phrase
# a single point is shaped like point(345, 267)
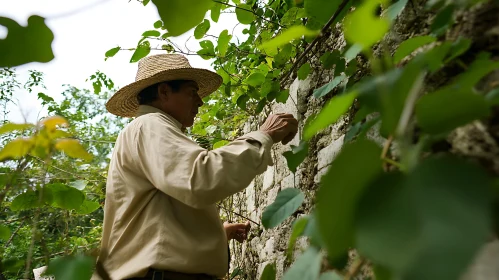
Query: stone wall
point(268, 246)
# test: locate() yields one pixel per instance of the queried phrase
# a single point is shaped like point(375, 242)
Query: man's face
point(184, 104)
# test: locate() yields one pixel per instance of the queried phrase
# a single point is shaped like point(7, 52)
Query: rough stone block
point(251, 201)
point(280, 261)
point(268, 250)
point(329, 153)
point(271, 195)
point(485, 265)
point(38, 273)
point(292, 180)
point(268, 178)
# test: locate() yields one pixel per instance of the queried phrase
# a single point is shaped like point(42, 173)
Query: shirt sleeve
point(179, 167)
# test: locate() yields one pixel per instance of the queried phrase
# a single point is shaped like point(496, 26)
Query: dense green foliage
point(413, 215)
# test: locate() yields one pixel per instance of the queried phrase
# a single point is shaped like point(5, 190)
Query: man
point(161, 220)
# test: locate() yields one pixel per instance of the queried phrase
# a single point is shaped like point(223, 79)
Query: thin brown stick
point(237, 214)
point(15, 232)
point(309, 47)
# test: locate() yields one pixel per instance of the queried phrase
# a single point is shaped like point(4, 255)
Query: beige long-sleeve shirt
point(160, 209)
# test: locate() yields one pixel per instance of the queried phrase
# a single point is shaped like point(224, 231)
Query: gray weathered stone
point(327, 155)
point(268, 178)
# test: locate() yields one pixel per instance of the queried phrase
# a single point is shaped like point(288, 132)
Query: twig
point(409, 104)
point(237, 214)
point(316, 40)
point(15, 232)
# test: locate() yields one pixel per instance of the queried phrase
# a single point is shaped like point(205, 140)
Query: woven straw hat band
point(151, 65)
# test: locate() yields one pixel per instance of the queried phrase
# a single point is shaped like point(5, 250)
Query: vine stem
point(239, 215)
point(316, 40)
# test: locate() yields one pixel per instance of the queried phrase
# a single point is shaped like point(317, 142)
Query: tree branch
point(309, 47)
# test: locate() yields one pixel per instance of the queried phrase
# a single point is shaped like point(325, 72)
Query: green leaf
point(406, 223)
point(395, 9)
point(16, 149)
point(9, 127)
point(66, 197)
point(445, 110)
point(220, 144)
point(25, 201)
point(493, 96)
point(244, 14)
point(363, 27)
point(242, 100)
point(351, 68)
point(329, 114)
point(145, 2)
point(312, 232)
point(340, 191)
point(255, 79)
point(158, 24)
point(410, 45)
point(24, 44)
point(73, 148)
point(294, 32)
point(4, 232)
point(236, 272)
point(352, 52)
point(282, 96)
point(298, 229)
point(74, 268)
point(79, 184)
point(141, 51)
point(329, 59)
point(112, 52)
point(215, 11)
point(207, 50)
point(151, 33)
point(285, 204)
point(443, 20)
point(321, 10)
point(307, 266)
point(304, 71)
point(296, 156)
point(223, 42)
point(283, 56)
point(261, 104)
point(179, 16)
point(201, 29)
point(331, 275)
point(88, 207)
point(458, 48)
point(327, 88)
point(269, 272)
point(266, 88)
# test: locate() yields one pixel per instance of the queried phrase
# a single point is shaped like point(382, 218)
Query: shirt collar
point(146, 109)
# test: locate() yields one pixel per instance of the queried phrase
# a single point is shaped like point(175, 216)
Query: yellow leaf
point(52, 122)
point(8, 127)
point(73, 148)
point(16, 148)
point(269, 61)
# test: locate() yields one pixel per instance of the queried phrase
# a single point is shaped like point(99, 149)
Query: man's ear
point(164, 90)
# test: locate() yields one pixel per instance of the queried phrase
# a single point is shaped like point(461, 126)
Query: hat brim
point(124, 102)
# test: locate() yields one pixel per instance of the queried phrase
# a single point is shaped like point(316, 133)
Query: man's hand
point(238, 232)
point(281, 127)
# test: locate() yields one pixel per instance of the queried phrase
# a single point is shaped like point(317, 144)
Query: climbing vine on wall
point(412, 215)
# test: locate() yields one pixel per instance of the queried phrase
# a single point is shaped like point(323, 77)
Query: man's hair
point(150, 93)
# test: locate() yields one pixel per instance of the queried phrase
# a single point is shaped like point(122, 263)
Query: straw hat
point(161, 68)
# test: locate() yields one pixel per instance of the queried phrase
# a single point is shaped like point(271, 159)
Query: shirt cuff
point(266, 142)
